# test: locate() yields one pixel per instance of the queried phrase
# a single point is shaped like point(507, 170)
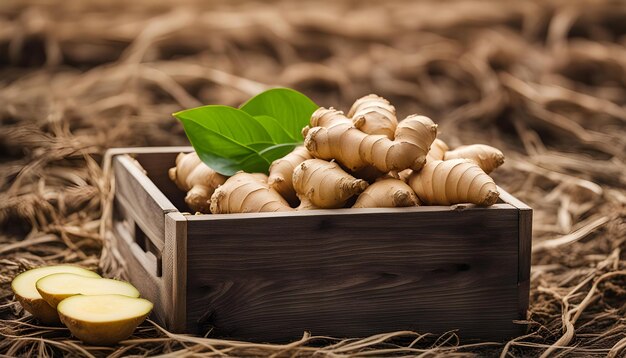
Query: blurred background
point(545, 81)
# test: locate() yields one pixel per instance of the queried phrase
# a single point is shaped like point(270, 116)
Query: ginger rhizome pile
point(333, 136)
point(364, 159)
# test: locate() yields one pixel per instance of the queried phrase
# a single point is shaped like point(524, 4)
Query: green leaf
point(275, 130)
point(227, 139)
point(278, 151)
point(266, 128)
point(291, 109)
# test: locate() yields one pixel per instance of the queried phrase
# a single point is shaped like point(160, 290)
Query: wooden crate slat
point(175, 270)
point(525, 216)
point(146, 204)
point(272, 277)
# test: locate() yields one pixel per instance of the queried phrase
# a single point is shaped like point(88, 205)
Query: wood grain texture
point(525, 216)
point(510, 199)
point(271, 278)
point(156, 165)
point(175, 271)
point(147, 205)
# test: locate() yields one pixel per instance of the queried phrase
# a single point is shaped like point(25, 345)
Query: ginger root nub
point(247, 193)
point(487, 157)
point(387, 193)
point(373, 114)
point(323, 184)
point(453, 181)
point(281, 173)
point(192, 175)
point(437, 150)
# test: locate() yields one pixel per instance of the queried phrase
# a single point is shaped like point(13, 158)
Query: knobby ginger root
point(281, 173)
point(387, 193)
point(247, 193)
point(437, 150)
point(453, 181)
point(374, 115)
point(333, 136)
point(403, 174)
point(487, 157)
point(192, 175)
point(323, 184)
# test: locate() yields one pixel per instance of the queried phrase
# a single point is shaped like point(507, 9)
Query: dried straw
point(543, 80)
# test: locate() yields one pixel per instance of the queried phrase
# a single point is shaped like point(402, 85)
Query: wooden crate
point(341, 273)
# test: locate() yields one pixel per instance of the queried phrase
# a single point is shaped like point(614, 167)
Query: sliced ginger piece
point(26, 293)
point(103, 319)
point(57, 287)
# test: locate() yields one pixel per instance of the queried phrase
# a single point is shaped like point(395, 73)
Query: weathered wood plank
point(157, 166)
point(271, 278)
point(351, 211)
point(525, 216)
point(146, 203)
point(175, 270)
point(510, 199)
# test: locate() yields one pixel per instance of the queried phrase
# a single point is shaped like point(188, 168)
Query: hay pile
point(544, 80)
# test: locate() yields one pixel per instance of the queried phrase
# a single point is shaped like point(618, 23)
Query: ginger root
point(453, 181)
point(487, 157)
point(281, 173)
point(437, 150)
point(247, 193)
point(387, 193)
point(374, 115)
point(323, 184)
point(192, 175)
point(334, 136)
